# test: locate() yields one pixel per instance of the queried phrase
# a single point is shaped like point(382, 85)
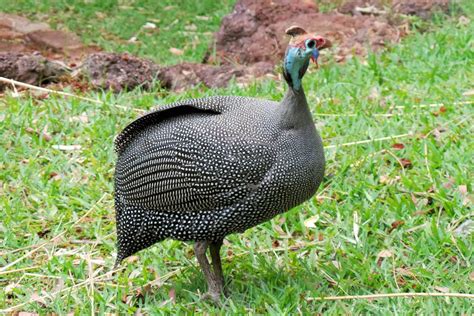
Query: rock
point(20, 24)
point(57, 41)
point(29, 68)
point(119, 71)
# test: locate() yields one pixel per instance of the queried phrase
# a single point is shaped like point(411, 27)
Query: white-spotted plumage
point(201, 169)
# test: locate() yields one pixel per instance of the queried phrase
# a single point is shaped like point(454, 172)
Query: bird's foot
point(214, 297)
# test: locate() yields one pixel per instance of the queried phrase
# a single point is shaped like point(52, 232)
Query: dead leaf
point(38, 299)
point(310, 222)
point(176, 51)
point(55, 176)
point(405, 272)
point(100, 15)
point(462, 189)
point(320, 237)
point(441, 289)
point(132, 259)
point(468, 93)
point(280, 231)
point(172, 295)
point(202, 18)
point(67, 147)
point(83, 118)
point(43, 232)
point(406, 163)
point(395, 225)
point(190, 27)
point(465, 229)
point(384, 179)
point(30, 130)
point(9, 288)
point(398, 146)
point(463, 20)
point(471, 276)
point(385, 254)
point(370, 10)
point(275, 243)
point(382, 255)
point(149, 26)
point(355, 226)
point(449, 184)
point(374, 94)
point(337, 264)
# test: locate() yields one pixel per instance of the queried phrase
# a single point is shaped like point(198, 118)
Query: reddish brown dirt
point(119, 71)
point(267, 42)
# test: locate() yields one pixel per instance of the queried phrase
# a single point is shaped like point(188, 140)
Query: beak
point(322, 43)
point(314, 58)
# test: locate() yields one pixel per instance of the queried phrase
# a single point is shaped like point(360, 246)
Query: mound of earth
point(245, 38)
point(119, 71)
point(30, 68)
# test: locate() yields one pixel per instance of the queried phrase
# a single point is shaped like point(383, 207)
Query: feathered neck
point(294, 109)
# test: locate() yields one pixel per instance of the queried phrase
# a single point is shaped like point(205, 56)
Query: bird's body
point(201, 169)
point(213, 166)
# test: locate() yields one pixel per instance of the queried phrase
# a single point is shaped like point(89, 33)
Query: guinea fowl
point(201, 169)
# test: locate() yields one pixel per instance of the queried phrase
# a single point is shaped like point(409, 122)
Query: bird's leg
point(214, 285)
point(215, 248)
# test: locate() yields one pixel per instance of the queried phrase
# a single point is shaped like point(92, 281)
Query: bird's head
point(302, 48)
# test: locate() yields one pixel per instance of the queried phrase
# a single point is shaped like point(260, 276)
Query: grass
point(374, 227)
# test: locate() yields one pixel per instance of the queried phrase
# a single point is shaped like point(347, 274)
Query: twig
point(427, 165)
point(397, 159)
point(388, 295)
point(15, 83)
point(267, 250)
point(369, 141)
point(161, 279)
point(353, 114)
point(433, 105)
point(19, 270)
point(41, 245)
point(91, 284)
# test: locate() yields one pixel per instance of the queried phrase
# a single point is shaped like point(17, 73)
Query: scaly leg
point(213, 283)
point(215, 248)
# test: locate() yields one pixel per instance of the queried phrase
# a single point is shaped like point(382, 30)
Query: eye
point(310, 43)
